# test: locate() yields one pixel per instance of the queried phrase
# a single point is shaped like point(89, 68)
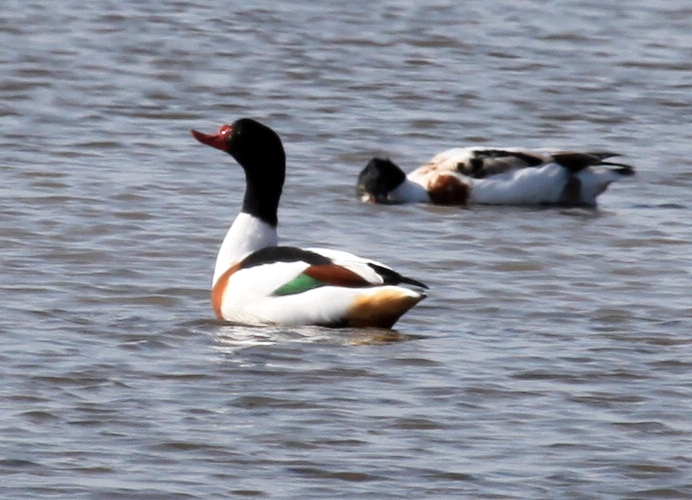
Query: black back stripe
point(530, 160)
point(283, 254)
point(269, 255)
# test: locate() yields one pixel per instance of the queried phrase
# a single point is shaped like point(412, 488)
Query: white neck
point(409, 191)
point(247, 234)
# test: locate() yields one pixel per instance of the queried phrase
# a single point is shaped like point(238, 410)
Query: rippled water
point(552, 358)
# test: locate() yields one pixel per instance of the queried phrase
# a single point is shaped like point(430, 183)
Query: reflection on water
point(232, 338)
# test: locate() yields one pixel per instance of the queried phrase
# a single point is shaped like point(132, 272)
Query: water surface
point(552, 357)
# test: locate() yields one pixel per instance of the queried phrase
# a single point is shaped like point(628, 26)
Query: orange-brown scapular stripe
point(219, 288)
point(335, 275)
point(448, 190)
point(381, 309)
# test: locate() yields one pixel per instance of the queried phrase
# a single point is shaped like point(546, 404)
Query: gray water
point(552, 358)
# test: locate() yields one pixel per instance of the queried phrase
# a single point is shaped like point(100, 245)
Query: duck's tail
point(576, 162)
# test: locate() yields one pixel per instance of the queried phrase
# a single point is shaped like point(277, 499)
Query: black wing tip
point(410, 281)
point(575, 162)
point(621, 168)
point(391, 277)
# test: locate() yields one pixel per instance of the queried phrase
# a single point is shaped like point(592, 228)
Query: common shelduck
point(494, 176)
point(258, 282)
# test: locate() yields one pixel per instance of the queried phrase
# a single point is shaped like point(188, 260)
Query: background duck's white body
point(532, 185)
point(508, 176)
point(541, 185)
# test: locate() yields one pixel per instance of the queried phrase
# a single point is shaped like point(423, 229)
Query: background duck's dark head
point(379, 177)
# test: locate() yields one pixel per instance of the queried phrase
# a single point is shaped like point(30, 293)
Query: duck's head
point(258, 149)
point(252, 144)
point(378, 179)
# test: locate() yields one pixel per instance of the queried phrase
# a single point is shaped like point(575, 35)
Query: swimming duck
point(494, 176)
point(256, 281)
